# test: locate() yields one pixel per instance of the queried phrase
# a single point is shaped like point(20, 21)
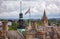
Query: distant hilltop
point(28, 19)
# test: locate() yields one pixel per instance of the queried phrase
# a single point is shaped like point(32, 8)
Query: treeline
point(51, 22)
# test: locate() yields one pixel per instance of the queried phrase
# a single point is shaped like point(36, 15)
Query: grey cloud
point(4, 8)
point(54, 15)
point(9, 0)
point(7, 8)
point(19, 0)
point(53, 2)
point(56, 3)
point(0, 3)
point(29, 0)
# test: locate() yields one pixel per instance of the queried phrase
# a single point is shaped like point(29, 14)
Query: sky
point(10, 9)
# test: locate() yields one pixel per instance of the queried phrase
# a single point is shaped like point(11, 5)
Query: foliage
point(39, 23)
point(14, 26)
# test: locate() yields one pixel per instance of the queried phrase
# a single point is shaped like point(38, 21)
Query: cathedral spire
point(21, 22)
point(20, 6)
point(44, 19)
point(44, 15)
point(20, 14)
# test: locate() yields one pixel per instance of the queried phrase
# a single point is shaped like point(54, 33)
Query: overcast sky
point(11, 8)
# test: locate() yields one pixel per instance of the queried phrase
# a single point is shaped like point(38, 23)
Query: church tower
point(21, 22)
point(44, 19)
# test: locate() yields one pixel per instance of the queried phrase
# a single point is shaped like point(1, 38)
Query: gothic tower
point(44, 19)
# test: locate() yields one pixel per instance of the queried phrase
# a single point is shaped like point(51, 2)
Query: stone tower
point(44, 19)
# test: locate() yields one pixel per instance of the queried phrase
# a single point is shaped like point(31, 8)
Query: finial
point(20, 6)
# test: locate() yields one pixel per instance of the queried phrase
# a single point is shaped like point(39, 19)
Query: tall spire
point(20, 6)
point(44, 19)
point(21, 22)
point(21, 14)
point(44, 15)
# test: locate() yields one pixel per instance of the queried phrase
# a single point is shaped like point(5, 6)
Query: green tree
point(14, 26)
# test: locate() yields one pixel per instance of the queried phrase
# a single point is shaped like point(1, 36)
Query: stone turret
point(30, 34)
point(5, 29)
point(44, 19)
